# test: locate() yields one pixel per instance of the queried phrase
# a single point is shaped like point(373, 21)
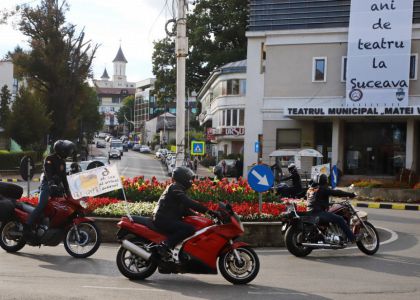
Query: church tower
point(119, 61)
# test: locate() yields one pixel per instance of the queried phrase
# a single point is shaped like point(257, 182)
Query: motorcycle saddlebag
point(7, 206)
point(10, 190)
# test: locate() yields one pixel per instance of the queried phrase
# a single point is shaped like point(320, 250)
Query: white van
point(118, 145)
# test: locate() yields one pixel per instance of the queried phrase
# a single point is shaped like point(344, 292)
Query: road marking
point(277, 293)
point(121, 288)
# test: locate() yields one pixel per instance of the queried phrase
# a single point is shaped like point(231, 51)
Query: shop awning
point(296, 152)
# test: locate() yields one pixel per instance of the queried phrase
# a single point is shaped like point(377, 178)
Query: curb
point(17, 180)
point(397, 206)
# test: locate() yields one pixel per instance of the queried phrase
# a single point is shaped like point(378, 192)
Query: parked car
point(161, 152)
point(100, 144)
point(136, 147)
point(114, 153)
point(125, 146)
point(144, 149)
point(231, 170)
point(94, 162)
point(171, 165)
point(101, 135)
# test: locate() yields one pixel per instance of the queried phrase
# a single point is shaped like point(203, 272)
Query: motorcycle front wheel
point(84, 242)
point(239, 272)
point(9, 240)
point(133, 266)
point(369, 243)
point(293, 240)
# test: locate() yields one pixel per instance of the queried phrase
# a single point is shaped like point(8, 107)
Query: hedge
point(11, 160)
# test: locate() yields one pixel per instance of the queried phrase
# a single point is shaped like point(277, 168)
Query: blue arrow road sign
point(260, 178)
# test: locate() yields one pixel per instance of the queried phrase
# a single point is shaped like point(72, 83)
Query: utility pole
point(181, 51)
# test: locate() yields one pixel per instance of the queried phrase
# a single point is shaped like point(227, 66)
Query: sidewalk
point(386, 205)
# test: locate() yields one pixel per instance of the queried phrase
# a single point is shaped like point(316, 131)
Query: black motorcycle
point(304, 232)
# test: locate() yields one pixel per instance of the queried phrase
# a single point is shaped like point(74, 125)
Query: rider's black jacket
point(295, 177)
point(174, 204)
point(318, 197)
point(55, 171)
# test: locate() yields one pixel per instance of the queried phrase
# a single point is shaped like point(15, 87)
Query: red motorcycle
point(137, 257)
point(63, 220)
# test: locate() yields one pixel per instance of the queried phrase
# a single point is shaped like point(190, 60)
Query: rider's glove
point(213, 214)
point(54, 189)
point(352, 195)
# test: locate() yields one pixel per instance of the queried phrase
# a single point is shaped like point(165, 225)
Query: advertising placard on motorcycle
point(94, 182)
point(320, 169)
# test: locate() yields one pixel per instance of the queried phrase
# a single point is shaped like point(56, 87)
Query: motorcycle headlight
point(83, 204)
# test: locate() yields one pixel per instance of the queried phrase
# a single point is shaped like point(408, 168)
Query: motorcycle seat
point(148, 222)
point(310, 219)
point(10, 190)
point(25, 207)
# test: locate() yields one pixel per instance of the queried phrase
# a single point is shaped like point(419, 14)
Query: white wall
point(254, 101)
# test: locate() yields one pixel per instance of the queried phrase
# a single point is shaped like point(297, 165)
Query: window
point(235, 117)
point(263, 57)
point(319, 69)
point(413, 66)
point(343, 68)
point(115, 100)
point(224, 118)
point(288, 138)
point(241, 117)
point(228, 117)
point(232, 87)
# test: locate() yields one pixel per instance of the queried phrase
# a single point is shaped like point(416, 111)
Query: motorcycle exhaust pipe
point(322, 246)
point(133, 248)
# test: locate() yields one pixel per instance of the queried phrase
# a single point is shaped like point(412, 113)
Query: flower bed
point(142, 195)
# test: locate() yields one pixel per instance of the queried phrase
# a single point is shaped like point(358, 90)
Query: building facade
point(112, 92)
point(296, 95)
point(223, 109)
point(7, 77)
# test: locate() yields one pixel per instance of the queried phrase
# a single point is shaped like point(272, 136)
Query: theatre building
point(337, 76)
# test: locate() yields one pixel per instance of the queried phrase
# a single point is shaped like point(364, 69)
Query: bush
point(11, 160)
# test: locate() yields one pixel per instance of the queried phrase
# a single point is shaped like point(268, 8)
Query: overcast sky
point(137, 23)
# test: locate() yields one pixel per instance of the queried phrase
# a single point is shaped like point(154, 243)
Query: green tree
point(126, 111)
point(29, 122)
point(90, 118)
point(216, 36)
point(57, 65)
point(164, 68)
point(5, 98)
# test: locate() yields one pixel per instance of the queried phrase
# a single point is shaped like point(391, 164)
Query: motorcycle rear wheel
point(293, 240)
point(239, 272)
point(133, 266)
point(8, 243)
point(369, 244)
point(87, 245)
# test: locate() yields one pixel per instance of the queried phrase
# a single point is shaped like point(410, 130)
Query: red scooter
point(137, 257)
point(63, 220)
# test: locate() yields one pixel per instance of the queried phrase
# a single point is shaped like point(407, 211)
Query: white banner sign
point(353, 111)
point(378, 56)
point(94, 182)
point(320, 169)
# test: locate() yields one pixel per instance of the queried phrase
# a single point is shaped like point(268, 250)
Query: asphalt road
point(134, 164)
point(392, 273)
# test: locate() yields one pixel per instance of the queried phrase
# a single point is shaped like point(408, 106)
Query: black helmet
point(323, 180)
point(183, 176)
point(64, 148)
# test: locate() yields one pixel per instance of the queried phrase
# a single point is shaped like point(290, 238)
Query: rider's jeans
point(42, 202)
point(326, 217)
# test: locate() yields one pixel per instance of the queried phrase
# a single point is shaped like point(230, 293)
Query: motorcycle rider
point(54, 175)
point(318, 203)
point(172, 206)
point(296, 187)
